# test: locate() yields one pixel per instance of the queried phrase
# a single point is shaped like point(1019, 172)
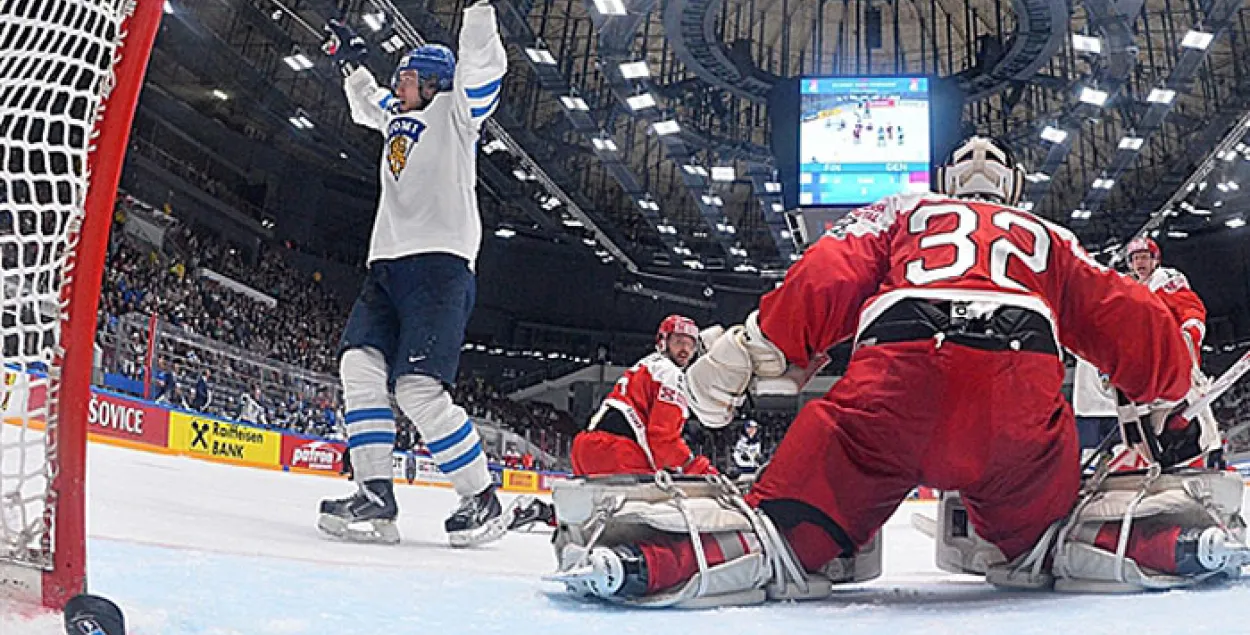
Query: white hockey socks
point(447, 431)
point(369, 418)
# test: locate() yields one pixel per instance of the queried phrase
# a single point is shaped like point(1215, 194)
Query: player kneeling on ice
point(637, 429)
point(958, 304)
point(406, 328)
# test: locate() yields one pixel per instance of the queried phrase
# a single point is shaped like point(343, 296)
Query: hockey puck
point(93, 615)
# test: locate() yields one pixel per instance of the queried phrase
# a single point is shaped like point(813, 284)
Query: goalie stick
point(1219, 386)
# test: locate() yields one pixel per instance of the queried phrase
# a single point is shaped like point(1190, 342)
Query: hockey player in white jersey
point(406, 328)
point(748, 449)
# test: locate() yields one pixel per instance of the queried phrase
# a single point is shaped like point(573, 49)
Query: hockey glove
point(343, 45)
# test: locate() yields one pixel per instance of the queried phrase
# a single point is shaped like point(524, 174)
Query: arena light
point(693, 264)
point(169, 8)
point(220, 94)
point(1235, 222)
point(1081, 214)
point(604, 144)
point(1178, 235)
point(505, 232)
point(666, 127)
point(375, 21)
point(778, 207)
point(723, 173)
point(1053, 134)
point(1037, 177)
point(696, 170)
point(745, 268)
point(393, 43)
point(610, 7)
point(572, 222)
point(540, 56)
point(640, 101)
point(1199, 40)
point(772, 187)
point(1131, 143)
point(493, 146)
point(634, 70)
point(1104, 184)
point(574, 103)
point(1086, 44)
point(298, 62)
point(682, 250)
point(589, 242)
point(1093, 96)
point(1161, 96)
point(1026, 206)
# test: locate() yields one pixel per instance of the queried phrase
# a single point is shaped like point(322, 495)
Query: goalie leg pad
point(614, 511)
point(1190, 499)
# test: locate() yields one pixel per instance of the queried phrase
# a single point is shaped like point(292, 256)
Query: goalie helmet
point(981, 167)
point(429, 61)
point(675, 324)
point(1142, 243)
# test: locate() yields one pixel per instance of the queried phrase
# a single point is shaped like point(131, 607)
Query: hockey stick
point(1220, 386)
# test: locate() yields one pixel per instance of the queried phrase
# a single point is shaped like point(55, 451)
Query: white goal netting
point(56, 61)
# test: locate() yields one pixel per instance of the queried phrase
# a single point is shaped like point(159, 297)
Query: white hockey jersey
point(746, 453)
point(1092, 392)
point(429, 160)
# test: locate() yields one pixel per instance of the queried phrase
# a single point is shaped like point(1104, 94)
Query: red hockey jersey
point(652, 397)
point(934, 247)
point(1187, 308)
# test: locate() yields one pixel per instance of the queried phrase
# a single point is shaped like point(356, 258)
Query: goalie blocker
point(636, 540)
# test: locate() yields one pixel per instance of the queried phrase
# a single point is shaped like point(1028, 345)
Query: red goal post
point(70, 76)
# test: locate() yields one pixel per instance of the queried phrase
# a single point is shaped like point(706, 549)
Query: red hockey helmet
point(675, 324)
point(1142, 243)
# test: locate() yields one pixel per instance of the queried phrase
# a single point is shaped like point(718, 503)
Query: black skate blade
point(490, 531)
point(382, 532)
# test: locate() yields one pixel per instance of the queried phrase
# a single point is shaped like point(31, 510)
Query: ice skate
point(1210, 549)
point(366, 516)
point(526, 512)
point(604, 572)
point(479, 519)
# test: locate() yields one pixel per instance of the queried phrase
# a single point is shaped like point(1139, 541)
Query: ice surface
point(185, 546)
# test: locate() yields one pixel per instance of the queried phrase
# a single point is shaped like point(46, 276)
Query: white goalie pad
point(958, 547)
point(605, 512)
point(1187, 498)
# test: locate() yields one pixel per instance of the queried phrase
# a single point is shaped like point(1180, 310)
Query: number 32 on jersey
point(1002, 249)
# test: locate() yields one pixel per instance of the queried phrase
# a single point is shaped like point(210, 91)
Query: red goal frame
point(81, 292)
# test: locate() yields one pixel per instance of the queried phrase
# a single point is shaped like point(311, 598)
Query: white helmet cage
point(981, 167)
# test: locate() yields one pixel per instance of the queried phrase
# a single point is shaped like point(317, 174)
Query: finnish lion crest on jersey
point(401, 135)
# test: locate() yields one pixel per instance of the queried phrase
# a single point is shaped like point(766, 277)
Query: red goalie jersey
point(933, 247)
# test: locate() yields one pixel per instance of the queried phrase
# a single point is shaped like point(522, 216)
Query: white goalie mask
point(981, 167)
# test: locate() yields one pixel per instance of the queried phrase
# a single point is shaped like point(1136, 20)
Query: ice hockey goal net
point(70, 73)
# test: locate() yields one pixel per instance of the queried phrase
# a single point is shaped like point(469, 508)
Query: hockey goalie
point(959, 304)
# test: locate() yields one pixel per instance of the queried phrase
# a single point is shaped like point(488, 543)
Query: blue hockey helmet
point(430, 60)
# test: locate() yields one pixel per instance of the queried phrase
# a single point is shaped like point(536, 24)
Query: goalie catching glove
point(717, 382)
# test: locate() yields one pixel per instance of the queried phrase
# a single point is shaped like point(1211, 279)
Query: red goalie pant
point(597, 453)
point(991, 424)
